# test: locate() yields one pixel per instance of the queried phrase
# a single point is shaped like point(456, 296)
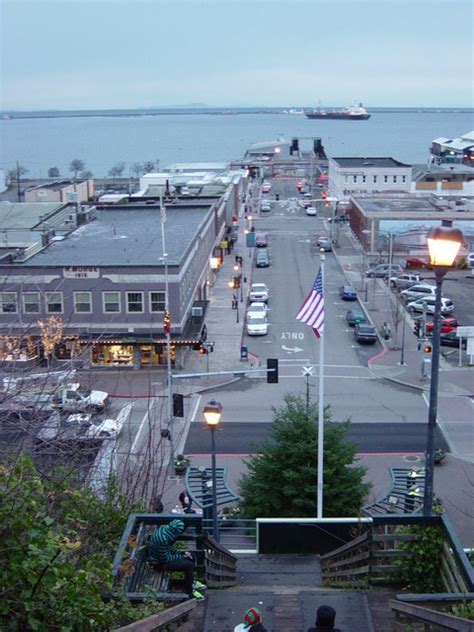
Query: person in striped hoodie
point(162, 556)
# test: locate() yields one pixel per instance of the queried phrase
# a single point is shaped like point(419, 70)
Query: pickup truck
point(74, 398)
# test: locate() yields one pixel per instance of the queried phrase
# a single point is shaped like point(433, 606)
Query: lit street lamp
point(443, 243)
point(212, 414)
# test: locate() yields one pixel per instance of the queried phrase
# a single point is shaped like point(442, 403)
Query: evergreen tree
point(281, 480)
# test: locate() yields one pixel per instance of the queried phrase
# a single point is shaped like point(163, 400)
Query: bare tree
point(53, 172)
point(148, 166)
point(86, 175)
point(51, 332)
point(117, 170)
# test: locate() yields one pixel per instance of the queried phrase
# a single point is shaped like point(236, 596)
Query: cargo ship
point(354, 113)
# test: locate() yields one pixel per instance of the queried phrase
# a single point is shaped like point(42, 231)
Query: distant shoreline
point(8, 115)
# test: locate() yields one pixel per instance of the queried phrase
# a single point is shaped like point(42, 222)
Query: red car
point(416, 262)
point(447, 325)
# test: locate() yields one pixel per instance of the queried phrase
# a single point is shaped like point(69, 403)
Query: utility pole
point(18, 181)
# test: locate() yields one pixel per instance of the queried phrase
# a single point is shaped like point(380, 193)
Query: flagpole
point(321, 413)
point(168, 335)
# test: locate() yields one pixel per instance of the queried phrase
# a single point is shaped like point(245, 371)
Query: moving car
point(266, 187)
point(265, 206)
point(258, 292)
point(384, 270)
point(447, 325)
point(365, 333)
point(311, 210)
point(257, 310)
point(418, 291)
point(355, 316)
point(261, 240)
point(348, 293)
point(262, 260)
point(447, 305)
point(257, 326)
point(450, 339)
point(404, 281)
point(416, 262)
point(324, 243)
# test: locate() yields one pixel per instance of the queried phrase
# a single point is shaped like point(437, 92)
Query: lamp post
point(443, 243)
point(238, 268)
point(212, 414)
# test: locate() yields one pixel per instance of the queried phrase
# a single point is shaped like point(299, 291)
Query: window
point(111, 302)
point(404, 178)
point(375, 178)
point(82, 302)
point(54, 302)
point(364, 178)
point(31, 303)
point(157, 301)
point(385, 178)
point(394, 178)
point(354, 178)
point(8, 303)
point(135, 302)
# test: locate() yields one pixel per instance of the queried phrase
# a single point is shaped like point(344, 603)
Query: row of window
point(54, 302)
point(374, 178)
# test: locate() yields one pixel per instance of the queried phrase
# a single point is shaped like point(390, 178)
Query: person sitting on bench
point(162, 556)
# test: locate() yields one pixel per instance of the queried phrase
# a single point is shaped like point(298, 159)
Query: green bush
point(57, 546)
point(420, 572)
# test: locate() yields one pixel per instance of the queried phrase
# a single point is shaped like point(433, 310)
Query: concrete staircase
point(288, 591)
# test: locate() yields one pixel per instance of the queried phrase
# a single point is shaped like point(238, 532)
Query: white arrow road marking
point(291, 349)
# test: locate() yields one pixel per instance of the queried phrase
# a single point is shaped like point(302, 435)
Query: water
point(102, 141)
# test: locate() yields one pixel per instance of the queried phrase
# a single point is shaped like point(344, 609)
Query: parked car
point(365, 333)
point(355, 316)
point(447, 305)
point(470, 260)
point(324, 244)
point(418, 291)
point(262, 260)
point(404, 281)
point(416, 262)
point(261, 240)
point(383, 270)
point(107, 429)
point(311, 210)
point(257, 326)
point(447, 325)
point(258, 292)
point(306, 203)
point(450, 339)
point(257, 310)
point(348, 293)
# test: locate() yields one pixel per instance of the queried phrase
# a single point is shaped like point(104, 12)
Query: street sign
point(465, 332)
point(308, 371)
point(250, 240)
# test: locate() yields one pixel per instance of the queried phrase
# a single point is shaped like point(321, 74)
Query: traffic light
point(416, 328)
point(299, 186)
point(324, 195)
point(272, 370)
point(178, 405)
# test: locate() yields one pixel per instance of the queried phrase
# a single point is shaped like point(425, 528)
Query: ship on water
point(353, 113)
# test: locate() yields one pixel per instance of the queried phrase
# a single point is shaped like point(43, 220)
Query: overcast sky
point(70, 54)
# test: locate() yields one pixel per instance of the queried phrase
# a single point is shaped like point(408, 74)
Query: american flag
point(312, 310)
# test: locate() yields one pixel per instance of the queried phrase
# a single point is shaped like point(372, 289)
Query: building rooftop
point(127, 237)
point(56, 185)
point(409, 206)
point(198, 166)
point(369, 162)
point(26, 215)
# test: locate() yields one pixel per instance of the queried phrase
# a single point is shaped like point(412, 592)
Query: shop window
point(157, 301)
point(111, 302)
point(135, 302)
point(54, 302)
point(8, 304)
point(31, 304)
point(112, 355)
point(82, 303)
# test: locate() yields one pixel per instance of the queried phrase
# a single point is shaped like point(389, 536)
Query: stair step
point(287, 613)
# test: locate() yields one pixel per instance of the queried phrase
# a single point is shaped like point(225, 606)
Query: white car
point(265, 206)
point(107, 429)
point(257, 310)
point(310, 210)
point(258, 292)
point(257, 326)
point(447, 305)
point(419, 290)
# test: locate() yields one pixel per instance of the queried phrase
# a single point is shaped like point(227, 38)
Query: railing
point(237, 535)
point(175, 616)
point(421, 612)
point(369, 559)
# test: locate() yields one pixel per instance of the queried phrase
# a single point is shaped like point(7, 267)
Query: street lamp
point(212, 414)
point(443, 243)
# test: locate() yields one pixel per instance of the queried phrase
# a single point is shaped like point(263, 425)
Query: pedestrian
point(325, 619)
point(186, 503)
point(234, 301)
point(252, 622)
point(163, 557)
